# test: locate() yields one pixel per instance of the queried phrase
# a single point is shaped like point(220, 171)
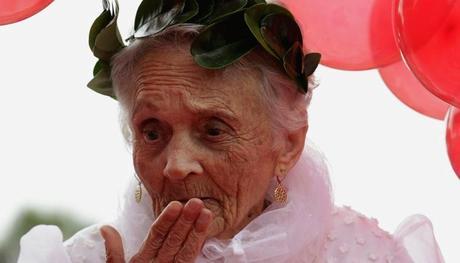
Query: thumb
point(113, 245)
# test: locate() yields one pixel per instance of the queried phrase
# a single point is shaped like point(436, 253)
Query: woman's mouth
point(210, 203)
point(204, 199)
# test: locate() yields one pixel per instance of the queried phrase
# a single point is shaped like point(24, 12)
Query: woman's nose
point(181, 159)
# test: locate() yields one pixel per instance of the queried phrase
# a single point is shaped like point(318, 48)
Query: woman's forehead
point(161, 86)
point(173, 75)
point(169, 57)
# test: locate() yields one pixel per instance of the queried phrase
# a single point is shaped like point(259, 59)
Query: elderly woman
point(218, 139)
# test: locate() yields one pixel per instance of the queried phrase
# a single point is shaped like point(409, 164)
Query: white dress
point(308, 228)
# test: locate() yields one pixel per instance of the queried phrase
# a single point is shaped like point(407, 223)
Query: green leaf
point(226, 7)
point(302, 84)
point(255, 2)
point(146, 10)
point(293, 64)
point(220, 44)
point(205, 9)
point(155, 24)
point(108, 41)
point(310, 63)
point(171, 4)
point(105, 39)
point(255, 14)
point(102, 83)
point(110, 5)
point(100, 23)
point(190, 10)
point(280, 32)
point(98, 66)
point(292, 61)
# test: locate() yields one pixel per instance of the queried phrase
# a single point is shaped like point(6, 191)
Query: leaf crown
point(232, 28)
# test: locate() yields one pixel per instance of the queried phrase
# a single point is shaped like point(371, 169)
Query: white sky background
point(61, 148)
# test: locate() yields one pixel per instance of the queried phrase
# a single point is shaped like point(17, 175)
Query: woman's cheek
point(145, 165)
point(138, 157)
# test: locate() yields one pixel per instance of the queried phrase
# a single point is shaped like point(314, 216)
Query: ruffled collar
point(291, 232)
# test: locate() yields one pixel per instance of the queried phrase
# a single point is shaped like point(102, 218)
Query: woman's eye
point(151, 135)
point(214, 132)
point(151, 131)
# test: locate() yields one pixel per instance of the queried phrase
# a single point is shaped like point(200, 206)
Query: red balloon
point(429, 36)
point(12, 11)
point(406, 87)
point(350, 34)
point(453, 138)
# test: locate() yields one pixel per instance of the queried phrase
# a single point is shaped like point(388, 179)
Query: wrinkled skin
point(201, 140)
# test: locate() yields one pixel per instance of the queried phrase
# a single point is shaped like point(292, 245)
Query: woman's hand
point(177, 235)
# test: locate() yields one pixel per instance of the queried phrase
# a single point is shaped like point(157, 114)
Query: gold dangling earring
point(138, 192)
point(280, 191)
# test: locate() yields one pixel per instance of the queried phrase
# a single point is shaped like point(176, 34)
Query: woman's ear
point(290, 153)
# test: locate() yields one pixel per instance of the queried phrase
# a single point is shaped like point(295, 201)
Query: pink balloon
point(429, 36)
point(350, 34)
point(453, 138)
point(12, 11)
point(406, 87)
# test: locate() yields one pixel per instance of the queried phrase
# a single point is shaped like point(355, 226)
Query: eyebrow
point(143, 104)
point(211, 110)
point(219, 112)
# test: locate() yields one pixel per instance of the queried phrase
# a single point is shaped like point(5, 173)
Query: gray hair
point(287, 107)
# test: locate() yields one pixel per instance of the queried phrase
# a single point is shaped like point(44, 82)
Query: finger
point(113, 245)
point(179, 232)
point(195, 239)
point(158, 232)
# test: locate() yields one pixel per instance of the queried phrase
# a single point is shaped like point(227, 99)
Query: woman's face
point(199, 134)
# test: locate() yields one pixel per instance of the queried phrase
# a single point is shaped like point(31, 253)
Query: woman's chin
point(216, 229)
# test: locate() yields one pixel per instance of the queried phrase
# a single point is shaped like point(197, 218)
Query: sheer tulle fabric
point(416, 235)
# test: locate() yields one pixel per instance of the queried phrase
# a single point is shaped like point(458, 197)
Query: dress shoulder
point(354, 237)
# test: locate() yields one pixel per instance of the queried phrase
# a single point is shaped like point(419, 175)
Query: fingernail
point(174, 205)
point(103, 232)
point(192, 209)
point(194, 203)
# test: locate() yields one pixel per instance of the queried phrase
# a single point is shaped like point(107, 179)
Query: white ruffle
point(43, 244)
point(415, 234)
